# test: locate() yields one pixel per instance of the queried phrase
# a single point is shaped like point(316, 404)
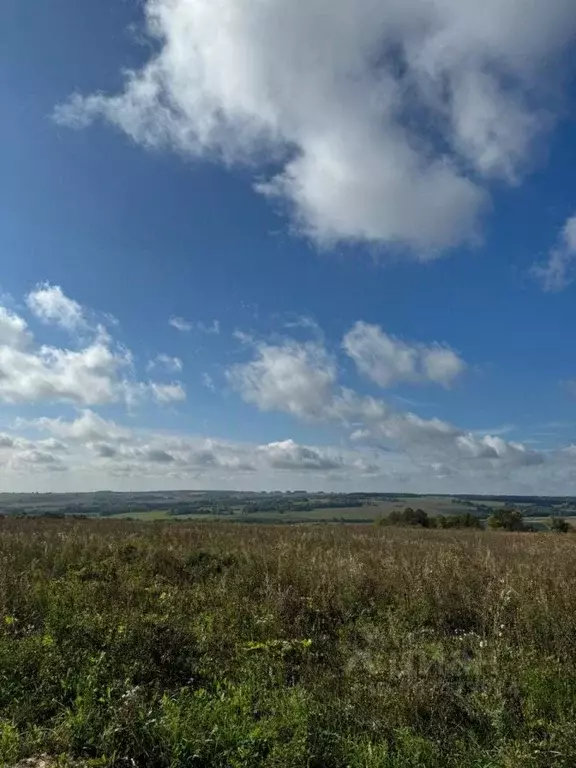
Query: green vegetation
point(559, 525)
point(413, 517)
point(420, 519)
point(458, 521)
point(281, 507)
point(213, 645)
point(507, 520)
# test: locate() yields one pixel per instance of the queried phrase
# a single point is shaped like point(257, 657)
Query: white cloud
point(555, 274)
point(387, 360)
point(435, 439)
point(301, 379)
point(306, 323)
point(87, 376)
point(381, 357)
point(28, 373)
point(20, 455)
point(293, 377)
point(33, 456)
point(168, 393)
point(51, 444)
point(185, 326)
point(89, 437)
point(100, 372)
point(380, 446)
point(7, 441)
point(386, 120)
point(441, 364)
point(180, 324)
point(88, 427)
point(13, 330)
point(287, 454)
point(50, 305)
point(166, 363)
point(210, 329)
point(430, 455)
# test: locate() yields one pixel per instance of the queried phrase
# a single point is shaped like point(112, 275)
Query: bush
point(409, 516)
point(457, 521)
point(506, 520)
point(559, 525)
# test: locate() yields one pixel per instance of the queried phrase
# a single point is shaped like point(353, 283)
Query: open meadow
point(320, 646)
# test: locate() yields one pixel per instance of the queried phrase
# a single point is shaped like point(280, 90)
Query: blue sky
point(364, 213)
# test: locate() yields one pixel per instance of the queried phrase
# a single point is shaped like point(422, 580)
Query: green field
point(150, 515)
point(275, 507)
point(167, 645)
point(371, 511)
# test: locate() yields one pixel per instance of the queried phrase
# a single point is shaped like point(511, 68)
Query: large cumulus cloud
point(384, 120)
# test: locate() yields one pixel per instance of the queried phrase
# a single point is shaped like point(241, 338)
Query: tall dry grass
point(225, 645)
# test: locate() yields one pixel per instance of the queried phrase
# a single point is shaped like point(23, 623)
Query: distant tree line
point(511, 501)
point(420, 519)
point(301, 505)
point(504, 519)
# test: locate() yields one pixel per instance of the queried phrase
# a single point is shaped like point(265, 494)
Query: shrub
point(466, 520)
point(409, 516)
point(506, 520)
point(559, 525)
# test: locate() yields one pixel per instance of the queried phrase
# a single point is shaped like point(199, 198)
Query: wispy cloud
point(180, 324)
point(210, 329)
point(185, 326)
point(504, 429)
point(305, 323)
point(168, 393)
point(557, 273)
point(208, 382)
point(166, 363)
